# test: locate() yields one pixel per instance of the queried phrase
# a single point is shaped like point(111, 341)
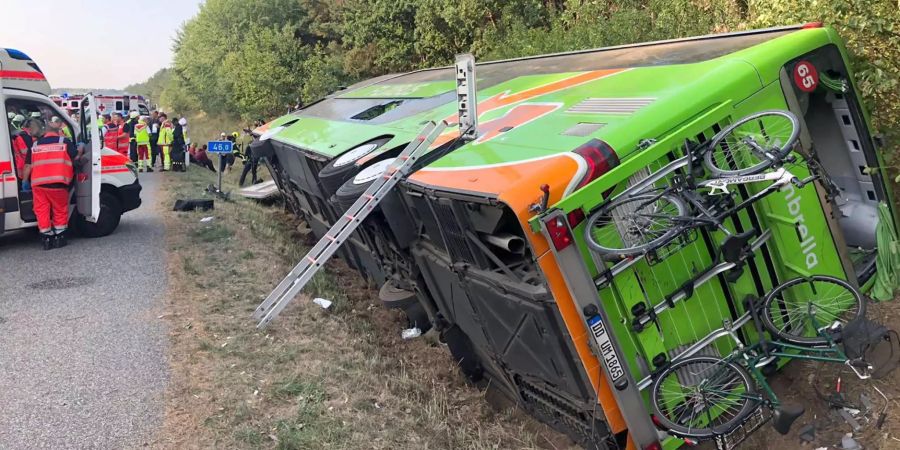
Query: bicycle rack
point(726, 330)
point(606, 276)
point(642, 318)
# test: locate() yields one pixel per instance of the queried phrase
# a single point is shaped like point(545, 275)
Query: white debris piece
point(411, 333)
point(207, 219)
point(325, 304)
point(848, 443)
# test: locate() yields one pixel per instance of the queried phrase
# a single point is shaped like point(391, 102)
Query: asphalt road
point(82, 351)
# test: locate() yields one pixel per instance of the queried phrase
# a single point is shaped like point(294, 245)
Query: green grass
point(249, 436)
point(296, 387)
point(212, 233)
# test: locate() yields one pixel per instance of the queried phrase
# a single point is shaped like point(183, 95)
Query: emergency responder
point(18, 122)
point(178, 145)
point(166, 138)
point(251, 163)
point(142, 138)
point(153, 122)
point(226, 161)
point(57, 125)
point(21, 142)
point(49, 166)
point(130, 124)
point(101, 123)
point(115, 136)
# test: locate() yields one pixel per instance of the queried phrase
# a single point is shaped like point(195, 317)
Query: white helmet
point(10, 115)
point(133, 114)
point(182, 121)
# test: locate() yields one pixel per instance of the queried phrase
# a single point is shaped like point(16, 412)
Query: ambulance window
point(33, 108)
point(119, 105)
point(143, 110)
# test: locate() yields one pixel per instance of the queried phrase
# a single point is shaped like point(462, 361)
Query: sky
point(103, 44)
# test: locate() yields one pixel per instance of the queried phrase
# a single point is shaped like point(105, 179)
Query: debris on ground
point(325, 304)
point(193, 205)
point(848, 443)
point(411, 333)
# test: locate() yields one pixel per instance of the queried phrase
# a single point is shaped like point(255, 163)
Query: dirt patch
point(336, 378)
point(811, 384)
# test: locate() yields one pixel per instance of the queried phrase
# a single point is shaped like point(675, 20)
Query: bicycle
point(647, 219)
point(702, 397)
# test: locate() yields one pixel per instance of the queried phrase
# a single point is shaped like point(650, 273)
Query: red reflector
point(559, 233)
point(575, 217)
point(812, 25)
point(600, 158)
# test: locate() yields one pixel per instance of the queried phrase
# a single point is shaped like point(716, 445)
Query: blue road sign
point(220, 146)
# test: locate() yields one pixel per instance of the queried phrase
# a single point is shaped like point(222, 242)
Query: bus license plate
point(613, 366)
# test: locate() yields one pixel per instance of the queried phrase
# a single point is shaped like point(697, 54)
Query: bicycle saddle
point(785, 416)
point(736, 246)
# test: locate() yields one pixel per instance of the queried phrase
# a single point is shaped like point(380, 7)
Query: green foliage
point(871, 29)
point(253, 58)
point(153, 87)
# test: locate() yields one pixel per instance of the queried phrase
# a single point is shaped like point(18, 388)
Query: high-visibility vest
point(50, 162)
point(166, 135)
point(142, 134)
point(116, 139)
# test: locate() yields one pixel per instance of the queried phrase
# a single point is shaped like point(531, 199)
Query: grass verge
point(337, 378)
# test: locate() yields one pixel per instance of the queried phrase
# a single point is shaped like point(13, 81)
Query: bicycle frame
point(764, 352)
point(831, 354)
point(780, 178)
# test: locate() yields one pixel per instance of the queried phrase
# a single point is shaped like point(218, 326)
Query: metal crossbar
point(304, 271)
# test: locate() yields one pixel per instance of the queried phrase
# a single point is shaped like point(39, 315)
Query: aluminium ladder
point(303, 272)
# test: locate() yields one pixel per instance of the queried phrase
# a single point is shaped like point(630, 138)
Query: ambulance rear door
point(87, 174)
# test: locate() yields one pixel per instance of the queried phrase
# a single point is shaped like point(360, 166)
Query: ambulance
point(122, 104)
point(106, 104)
point(106, 183)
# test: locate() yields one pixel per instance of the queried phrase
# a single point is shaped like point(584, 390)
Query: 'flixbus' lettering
point(807, 239)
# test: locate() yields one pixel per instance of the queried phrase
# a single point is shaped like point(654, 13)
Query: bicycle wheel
point(634, 224)
point(703, 396)
point(786, 311)
point(740, 149)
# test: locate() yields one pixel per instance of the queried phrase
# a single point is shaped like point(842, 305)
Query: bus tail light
point(600, 158)
point(559, 232)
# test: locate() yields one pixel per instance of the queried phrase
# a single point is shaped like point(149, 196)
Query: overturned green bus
point(489, 239)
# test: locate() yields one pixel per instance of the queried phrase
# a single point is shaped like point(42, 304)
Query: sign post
point(221, 148)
